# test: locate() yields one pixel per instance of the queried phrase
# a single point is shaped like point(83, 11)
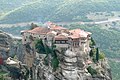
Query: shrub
point(101, 55)
point(91, 70)
point(44, 48)
point(55, 63)
point(91, 53)
point(39, 46)
point(92, 42)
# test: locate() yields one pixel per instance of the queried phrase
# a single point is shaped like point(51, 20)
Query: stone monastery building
point(62, 37)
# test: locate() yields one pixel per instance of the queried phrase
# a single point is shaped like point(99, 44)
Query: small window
point(83, 38)
point(77, 43)
point(66, 42)
point(82, 42)
point(62, 42)
point(57, 42)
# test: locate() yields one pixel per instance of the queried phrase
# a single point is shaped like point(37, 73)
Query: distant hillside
point(58, 10)
point(8, 5)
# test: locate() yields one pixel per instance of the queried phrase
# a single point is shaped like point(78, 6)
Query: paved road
point(61, 23)
point(95, 22)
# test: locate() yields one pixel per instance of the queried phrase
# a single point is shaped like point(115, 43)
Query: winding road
point(61, 23)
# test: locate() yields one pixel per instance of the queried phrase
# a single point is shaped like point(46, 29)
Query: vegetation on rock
point(44, 48)
point(40, 47)
point(91, 53)
point(91, 71)
point(92, 43)
point(102, 55)
point(97, 54)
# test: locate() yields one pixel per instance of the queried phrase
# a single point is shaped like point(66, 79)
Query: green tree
point(92, 42)
point(53, 52)
point(39, 46)
point(55, 63)
point(33, 26)
point(97, 54)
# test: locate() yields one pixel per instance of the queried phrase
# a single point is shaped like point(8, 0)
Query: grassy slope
point(58, 10)
point(115, 69)
point(108, 40)
point(7, 5)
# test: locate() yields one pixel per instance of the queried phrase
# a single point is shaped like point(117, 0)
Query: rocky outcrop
point(5, 41)
point(10, 46)
point(73, 66)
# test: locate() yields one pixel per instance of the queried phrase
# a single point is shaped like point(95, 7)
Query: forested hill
point(55, 10)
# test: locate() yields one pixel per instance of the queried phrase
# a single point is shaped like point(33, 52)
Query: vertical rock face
point(69, 65)
point(5, 41)
point(73, 66)
point(10, 46)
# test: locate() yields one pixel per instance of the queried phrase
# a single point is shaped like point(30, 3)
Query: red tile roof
point(75, 36)
point(39, 30)
point(52, 32)
point(79, 33)
point(35, 30)
point(61, 37)
point(75, 31)
point(57, 28)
